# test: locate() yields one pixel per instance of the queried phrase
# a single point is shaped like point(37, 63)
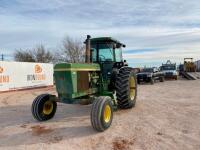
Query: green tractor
point(104, 80)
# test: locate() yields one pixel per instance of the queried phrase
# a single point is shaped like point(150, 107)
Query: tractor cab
point(107, 52)
point(106, 49)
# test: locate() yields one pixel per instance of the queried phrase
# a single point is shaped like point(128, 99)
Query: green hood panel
point(76, 67)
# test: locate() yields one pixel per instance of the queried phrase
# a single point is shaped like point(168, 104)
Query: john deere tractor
point(104, 80)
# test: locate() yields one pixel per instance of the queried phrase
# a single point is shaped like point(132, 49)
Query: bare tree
point(38, 54)
point(72, 51)
point(23, 56)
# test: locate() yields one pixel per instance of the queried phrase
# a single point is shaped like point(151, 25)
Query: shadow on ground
point(74, 117)
point(47, 136)
point(21, 114)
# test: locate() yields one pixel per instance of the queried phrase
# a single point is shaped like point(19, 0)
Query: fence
point(21, 75)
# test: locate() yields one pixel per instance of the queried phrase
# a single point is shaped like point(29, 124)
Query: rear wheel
point(126, 88)
point(162, 79)
point(101, 113)
point(43, 107)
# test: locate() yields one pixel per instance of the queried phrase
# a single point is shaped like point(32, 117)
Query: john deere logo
point(1, 70)
point(38, 69)
point(37, 76)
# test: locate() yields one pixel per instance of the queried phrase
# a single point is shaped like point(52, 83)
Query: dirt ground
point(166, 117)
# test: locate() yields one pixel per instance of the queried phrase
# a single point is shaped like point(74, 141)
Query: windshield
point(168, 67)
point(106, 52)
point(147, 70)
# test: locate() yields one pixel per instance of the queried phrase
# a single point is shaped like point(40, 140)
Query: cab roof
point(106, 39)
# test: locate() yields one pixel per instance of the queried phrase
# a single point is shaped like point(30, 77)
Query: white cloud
point(170, 26)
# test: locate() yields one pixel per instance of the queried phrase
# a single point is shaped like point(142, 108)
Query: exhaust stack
point(87, 52)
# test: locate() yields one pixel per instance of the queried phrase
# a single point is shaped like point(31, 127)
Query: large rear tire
point(126, 88)
point(102, 113)
point(43, 107)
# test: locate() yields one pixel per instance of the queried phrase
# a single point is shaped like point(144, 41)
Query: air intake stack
point(87, 52)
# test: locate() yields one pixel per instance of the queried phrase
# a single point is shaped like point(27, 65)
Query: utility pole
point(2, 57)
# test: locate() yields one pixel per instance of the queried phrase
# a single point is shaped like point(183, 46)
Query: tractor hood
point(76, 67)
point(73, 80)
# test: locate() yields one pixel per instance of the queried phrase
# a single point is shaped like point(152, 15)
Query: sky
point(153, 30)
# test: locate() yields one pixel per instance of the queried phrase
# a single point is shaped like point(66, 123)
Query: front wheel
point(176, 78)
point(162, 79)
point(152, 81)
point(44, 107)
point(101, 113)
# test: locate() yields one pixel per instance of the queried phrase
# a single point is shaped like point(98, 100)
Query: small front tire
point(102, 113)
point(176, 78)
point(152, 81)
point(162, 79)
point(44, 107)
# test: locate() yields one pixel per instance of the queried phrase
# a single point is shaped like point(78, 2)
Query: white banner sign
point(21, 75)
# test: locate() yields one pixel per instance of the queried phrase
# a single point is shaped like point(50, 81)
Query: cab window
point(118, 55)
point(94, 54)
point(106, 52)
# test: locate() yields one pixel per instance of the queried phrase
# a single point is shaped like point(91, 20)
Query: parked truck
point(150, 75)
point(169, 69)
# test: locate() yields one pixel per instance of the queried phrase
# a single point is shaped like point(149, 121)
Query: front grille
point(82, 81)
point(169, 74)
point(142, 76)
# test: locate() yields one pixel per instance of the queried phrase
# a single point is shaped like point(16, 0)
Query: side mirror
point(118, 45)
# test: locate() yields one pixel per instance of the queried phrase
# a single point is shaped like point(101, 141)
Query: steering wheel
point(101, 57)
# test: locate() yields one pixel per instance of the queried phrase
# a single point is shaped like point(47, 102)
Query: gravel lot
point(166, 117)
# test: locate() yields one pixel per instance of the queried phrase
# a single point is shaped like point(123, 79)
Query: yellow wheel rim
point(132, 87)
point(48, 107)
point(107, 113)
